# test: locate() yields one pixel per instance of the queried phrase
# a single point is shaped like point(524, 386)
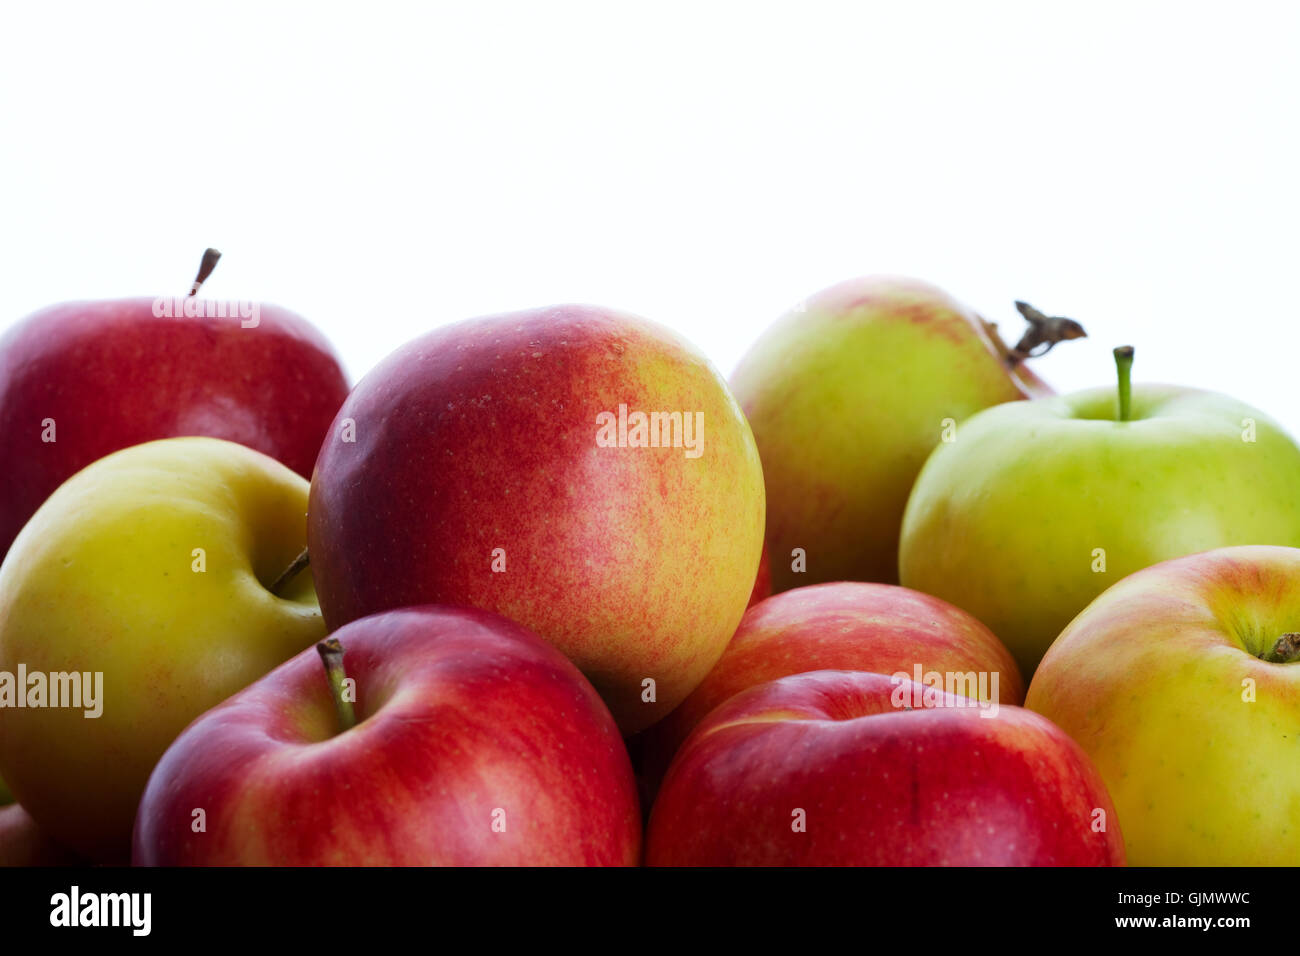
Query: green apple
point(147, 574)
point(846, 396)
point(1038, 507)
point(1182, 684)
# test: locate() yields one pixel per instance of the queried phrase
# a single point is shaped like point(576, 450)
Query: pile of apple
point(506, 600)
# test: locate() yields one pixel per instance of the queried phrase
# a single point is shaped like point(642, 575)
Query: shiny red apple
point(474, 743)
point(857, 769)
point(83, 379)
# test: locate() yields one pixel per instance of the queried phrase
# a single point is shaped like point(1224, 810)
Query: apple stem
point(1286, 650)
point(208, 263)
point(331, 655)
point(1124, 366)
point(289, 573)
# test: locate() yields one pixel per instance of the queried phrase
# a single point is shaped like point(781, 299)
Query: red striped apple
point(470, 742)
point(842, 626)
point(579, 470)
point(83, 379)
point(856, 769)
point(1182, 683)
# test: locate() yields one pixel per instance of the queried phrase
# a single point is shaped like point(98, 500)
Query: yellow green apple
point(1182, 683)
point(147, 576)
point(1038, 507)
point(846, 395)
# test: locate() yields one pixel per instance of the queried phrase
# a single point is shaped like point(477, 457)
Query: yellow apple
point(147, 574)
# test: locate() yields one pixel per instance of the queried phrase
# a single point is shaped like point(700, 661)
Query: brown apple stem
point(1286, 650)
point(331, 654)
point(289, 573)
point(208, 263)
point(1124, 366)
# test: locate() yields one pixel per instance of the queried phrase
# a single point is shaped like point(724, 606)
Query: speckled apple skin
point(846, 399)
point(1152, 680)
point(111, 374)
point(635, 562)
point(933, 786)
point(461, 714)
point(1006, 521)
point(840, 626)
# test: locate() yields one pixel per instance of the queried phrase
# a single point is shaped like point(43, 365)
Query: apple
point(144, 581)
point(501, 463)
point(1182, 683)
point(472, 742)
point(82, 379)
point(847, 395)
point(851, 768)
point(841, 626)
point(23, 843)
point(1038, 507)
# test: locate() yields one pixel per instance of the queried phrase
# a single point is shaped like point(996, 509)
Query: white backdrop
point(383, 168)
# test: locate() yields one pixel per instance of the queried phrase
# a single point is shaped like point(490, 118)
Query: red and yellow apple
point(1182, 683)
point(576, 469)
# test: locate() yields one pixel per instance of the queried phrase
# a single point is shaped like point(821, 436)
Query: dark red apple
point(474, 743)
point(83, 379)
point(492, 464)
point(858, 769)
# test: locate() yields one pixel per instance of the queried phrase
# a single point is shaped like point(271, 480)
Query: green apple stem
point(1286, 650)
point(289, 573)
point(208, 263)
point(331, 654)
point(1124, 366)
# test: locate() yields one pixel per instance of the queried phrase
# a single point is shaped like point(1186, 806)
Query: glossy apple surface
point(105, 579)
point(111, 374)
point(822, 769)
point(474, 476)
point(1040, 506)
point(847, 396)
point(841, 626)
point(477, 744)
point(1165, 680)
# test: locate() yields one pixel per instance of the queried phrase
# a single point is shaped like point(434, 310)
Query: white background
point(384, 168)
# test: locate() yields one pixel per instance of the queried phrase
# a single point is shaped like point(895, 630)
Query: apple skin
point(635, 562)
point(939, 785)
point(101, 580)
point(839, 626)
point(846, 399)
point(1150, 681)
point(460, 712)
point(111, 374)
point(1006, 521)
point(23, 843)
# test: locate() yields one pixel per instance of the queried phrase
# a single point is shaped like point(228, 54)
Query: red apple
point(23, 843)
point(83, 379)
point(842, 626)
point(857, 769)
point(492, 464)
point(475, 743)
